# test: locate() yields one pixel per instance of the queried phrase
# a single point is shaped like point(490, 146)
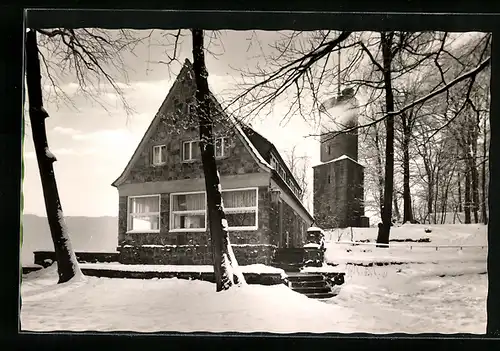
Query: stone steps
point(312, 285)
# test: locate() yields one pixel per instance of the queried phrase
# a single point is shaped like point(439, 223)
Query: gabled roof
point(185, 73)
point(265, 147)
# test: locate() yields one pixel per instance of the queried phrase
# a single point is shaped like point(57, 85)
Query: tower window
point(329, 152)
point(329, 179)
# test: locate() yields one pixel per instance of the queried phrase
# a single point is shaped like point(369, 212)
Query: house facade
point(162, 199)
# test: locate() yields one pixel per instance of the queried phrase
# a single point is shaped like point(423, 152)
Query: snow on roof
point(343, 157)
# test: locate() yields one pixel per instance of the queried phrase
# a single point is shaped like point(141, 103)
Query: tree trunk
point(407, 210)
point(460, 208)
point(475, 175)
point(227, 272)
point(385, 228)
point(467, 196)
point(397, 214)
point(380, 174)
point(67, 265)
point(484, 210)
point(430, 197)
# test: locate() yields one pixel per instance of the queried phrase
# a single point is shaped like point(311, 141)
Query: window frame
point(223, 147)
point(172, 212)
point(191, 159)
point(130, 215)
point(254, 209)
point(162, 161)
point(248, 209)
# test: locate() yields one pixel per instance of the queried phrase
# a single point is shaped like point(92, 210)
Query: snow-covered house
point(162, 201)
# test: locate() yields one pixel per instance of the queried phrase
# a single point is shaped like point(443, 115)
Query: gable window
point(159, 154)
point(188, 212)
point(221, 147)
point(143, 214)
point(190, 150)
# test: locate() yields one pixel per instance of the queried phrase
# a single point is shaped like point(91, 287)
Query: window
point(221, 147)
point(240, 207)
point(144, 214)
point(159, 154)
point(281, 172)
point(329, 149)
point(274, 163)
point(188, 211)
point(190, 150)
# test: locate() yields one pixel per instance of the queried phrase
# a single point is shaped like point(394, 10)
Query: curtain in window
point(145, 204)
point(189, 202)
point(245, 198)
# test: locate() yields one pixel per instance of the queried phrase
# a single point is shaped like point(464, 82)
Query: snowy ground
point(444, 293)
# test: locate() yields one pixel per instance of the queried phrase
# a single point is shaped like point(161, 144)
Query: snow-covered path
point(445, 294)
point(374, 300)
point(417, 298)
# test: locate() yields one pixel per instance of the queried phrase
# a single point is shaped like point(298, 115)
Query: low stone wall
point(192, 254)
point(46, 258)
point(251, 278)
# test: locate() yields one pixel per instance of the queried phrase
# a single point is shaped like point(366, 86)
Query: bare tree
point(67, 265)
point(299, 166)
point(227, 272)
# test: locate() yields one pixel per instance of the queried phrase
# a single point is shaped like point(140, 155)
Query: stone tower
point(338, 180)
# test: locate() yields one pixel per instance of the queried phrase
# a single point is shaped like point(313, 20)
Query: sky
point(93, 144)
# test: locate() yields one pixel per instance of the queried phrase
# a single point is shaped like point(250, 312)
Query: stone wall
point(338, 194)
point(342, 144)
point(193, 254)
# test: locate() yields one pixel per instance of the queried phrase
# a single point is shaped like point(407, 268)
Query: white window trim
point(162, 162)
point(129, 215)
point(171, 221)
point(224, 139)
point(226, 210)
point(191, 159)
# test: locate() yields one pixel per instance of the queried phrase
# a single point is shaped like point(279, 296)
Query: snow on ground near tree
point(373, 300)
point(445, 293)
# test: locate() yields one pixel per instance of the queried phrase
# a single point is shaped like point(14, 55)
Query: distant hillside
point(86, 233)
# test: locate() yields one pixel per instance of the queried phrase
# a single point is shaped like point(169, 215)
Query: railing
point(410, 246)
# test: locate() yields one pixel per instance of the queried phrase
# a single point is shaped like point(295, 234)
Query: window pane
point(144, 204)
point(156, 154)
point(195, 150)
point(247, 219)
point(185, 151)
point(241, 198)
point(185, 221)
point(189, 202)
point(145, 222)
